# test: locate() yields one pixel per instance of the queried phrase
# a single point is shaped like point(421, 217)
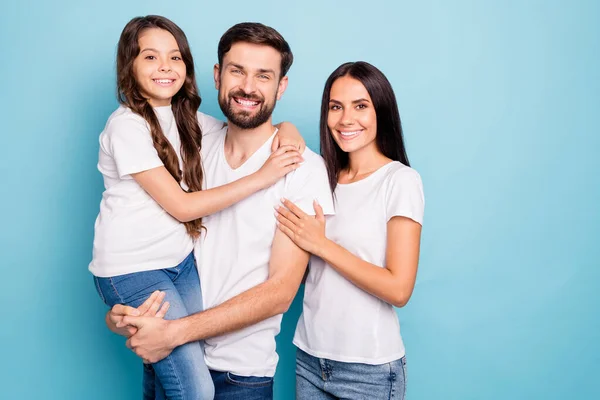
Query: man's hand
point(152, 307)
point(154, 339)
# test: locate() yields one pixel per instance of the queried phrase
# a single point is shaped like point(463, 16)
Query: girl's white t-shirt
point(133, 233)
point(339, 321)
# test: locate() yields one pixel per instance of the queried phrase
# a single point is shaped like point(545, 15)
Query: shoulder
point(398, 173)
point(209, 124)
point(313, 163)
point(124, 120)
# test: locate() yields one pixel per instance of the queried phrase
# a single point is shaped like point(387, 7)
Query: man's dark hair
point(256, 33)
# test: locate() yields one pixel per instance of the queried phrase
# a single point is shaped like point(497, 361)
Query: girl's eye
point(361, 106)
point(334, 107)
point(150, 58)
point(176, 58)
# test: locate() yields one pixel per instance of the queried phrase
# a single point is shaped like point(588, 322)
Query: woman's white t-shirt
point(339, 321)
point(133, 233)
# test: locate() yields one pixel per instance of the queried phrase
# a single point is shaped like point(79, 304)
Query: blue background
point(499, 102)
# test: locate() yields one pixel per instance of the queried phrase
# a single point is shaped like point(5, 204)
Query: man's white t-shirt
point(133, 233)
point(233, 255)
point(340, 321)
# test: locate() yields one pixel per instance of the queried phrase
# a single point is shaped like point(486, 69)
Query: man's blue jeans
point(234, 387)
point(183, 374)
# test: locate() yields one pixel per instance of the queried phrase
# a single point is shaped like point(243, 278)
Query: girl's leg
point(186, 281)
point(311, 378)
point(178, 373)
point(118, 290)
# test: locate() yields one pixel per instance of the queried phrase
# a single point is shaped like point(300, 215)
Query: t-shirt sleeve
point(405, 195)
point(310, 183)
point(208, 124)
point(129, 143)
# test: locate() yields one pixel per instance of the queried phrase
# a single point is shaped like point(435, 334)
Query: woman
point(365, 262)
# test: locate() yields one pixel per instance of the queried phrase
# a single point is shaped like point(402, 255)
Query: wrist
point(324, 249)
point(256, 181)
point(177, 332)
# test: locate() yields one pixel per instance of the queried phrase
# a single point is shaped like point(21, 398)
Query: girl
point(152, 207)
point(365, 262)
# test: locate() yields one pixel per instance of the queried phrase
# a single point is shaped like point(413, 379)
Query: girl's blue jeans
point(183, 374)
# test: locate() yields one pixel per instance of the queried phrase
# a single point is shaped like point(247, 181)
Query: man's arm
point(156, 338)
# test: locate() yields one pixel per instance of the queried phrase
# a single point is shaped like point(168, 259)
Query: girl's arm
point(288, 134)
point(393, 283)
point(184, 206)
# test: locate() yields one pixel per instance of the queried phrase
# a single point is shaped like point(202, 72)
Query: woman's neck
point(362, 163)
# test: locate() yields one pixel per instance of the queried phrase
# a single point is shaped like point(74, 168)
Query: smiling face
point(249, 84)
point(351, 117)
point(158, 69)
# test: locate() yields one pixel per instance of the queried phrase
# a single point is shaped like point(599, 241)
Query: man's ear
point(217, 75)
point(283, 82)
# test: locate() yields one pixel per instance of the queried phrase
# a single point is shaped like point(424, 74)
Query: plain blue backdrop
point(499, 102)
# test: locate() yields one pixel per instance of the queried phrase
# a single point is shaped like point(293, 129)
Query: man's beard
point(245, 119)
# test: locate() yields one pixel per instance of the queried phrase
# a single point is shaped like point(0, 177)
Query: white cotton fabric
point(339, 321)
point(234, 251)
point(133, 233)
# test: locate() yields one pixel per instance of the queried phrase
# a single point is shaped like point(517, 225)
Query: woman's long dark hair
point(389, 138)
point(184, 104)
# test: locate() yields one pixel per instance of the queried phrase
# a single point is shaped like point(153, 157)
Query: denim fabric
point(319, 378)
point(234, 387)
point(183, 374)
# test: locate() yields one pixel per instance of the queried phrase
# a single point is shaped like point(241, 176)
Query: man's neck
point(240, 143)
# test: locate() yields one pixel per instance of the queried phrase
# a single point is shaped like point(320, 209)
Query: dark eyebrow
point(238, 66)
point(266, 71)
point(260, 71)
point(353, 102)
point(151, 49)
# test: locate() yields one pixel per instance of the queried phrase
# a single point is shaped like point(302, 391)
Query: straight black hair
point(389, 137)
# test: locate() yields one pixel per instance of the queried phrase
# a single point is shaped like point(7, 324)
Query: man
point(249, 270)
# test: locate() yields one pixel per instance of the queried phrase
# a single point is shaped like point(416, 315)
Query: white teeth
point(349, 133)
point(246, 102)
point(163, 81)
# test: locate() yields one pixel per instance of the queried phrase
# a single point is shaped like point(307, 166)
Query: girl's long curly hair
point(184, 105)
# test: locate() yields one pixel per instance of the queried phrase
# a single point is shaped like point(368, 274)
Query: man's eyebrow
point(238, 66)
point(266, 71)
point(260, 70)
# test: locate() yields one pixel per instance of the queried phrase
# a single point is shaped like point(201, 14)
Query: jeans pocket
point(248, 381)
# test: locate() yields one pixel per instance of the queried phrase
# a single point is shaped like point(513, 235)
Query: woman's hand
point(288, 135)
point(307, 231)
point(284, 160)
point(152, 307)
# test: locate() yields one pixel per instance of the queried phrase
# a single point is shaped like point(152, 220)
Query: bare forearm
point(248, 308)
point(378, 281)
point(184, 206)
point(207, 202)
